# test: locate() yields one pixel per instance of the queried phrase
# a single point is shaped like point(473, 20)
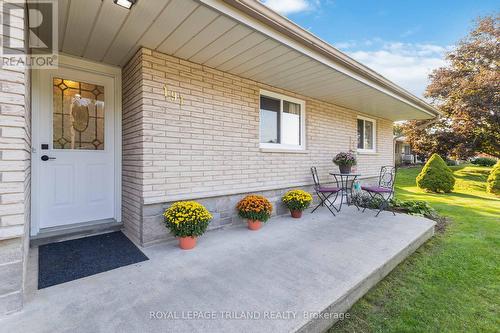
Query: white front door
point(74, 152)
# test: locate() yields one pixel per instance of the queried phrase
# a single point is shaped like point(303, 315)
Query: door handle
point(46, 158)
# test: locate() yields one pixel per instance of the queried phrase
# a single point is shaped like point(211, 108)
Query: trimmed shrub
point(436, 176)
point(493, 182)
point(484, 161)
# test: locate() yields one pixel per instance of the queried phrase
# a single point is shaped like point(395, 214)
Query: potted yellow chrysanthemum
point(297, 201)
point(187, 220)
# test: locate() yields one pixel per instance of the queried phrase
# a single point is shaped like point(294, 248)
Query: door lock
point(46, 158)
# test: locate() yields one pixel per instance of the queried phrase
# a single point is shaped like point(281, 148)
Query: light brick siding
point(133, 134)
point(15, 173)
point(209, 145)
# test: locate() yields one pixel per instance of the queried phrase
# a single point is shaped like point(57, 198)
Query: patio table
point(343, 184)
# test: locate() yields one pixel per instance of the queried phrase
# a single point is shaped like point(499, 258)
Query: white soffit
point(215, 34)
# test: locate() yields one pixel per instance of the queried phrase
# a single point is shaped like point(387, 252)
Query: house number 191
point(174, 96)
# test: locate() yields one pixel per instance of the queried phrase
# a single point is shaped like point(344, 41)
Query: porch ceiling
point(219, 35)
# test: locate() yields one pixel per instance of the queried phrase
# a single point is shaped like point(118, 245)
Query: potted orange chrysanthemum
point(256, 209)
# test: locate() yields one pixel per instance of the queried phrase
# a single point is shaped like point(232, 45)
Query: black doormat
point(70, 260)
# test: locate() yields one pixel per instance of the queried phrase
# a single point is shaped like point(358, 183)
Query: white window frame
point(302, 104)
point(364, 150)
point(409, 149)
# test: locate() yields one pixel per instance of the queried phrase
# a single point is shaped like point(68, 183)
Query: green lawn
point(452, 283)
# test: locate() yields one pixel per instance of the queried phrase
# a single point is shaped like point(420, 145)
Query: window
point(281, 122)
point(77, 115)
point(366, 135)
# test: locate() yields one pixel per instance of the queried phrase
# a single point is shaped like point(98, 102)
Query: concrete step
point(59, 234)
point(324, 320)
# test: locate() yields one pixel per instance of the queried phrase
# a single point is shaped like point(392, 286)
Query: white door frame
point(88, 66)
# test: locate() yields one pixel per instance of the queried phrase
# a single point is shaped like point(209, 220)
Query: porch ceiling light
point(125, 3)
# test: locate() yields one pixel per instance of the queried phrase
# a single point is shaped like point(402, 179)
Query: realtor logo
point(29, 33)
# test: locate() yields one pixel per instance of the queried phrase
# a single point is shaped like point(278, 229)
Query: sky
point(404, 40)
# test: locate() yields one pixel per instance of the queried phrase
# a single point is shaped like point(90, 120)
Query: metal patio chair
point(384, 192)
point(324, 193)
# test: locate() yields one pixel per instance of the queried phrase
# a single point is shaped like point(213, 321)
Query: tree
point(397, 129)
point(467, 91)
point(436, 176)
point(429, 137)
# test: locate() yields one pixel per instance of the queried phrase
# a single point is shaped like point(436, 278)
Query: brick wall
point(15, 140)
point(133, 114)
point(209, 145)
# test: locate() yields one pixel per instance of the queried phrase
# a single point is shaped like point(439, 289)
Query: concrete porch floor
point(318, 264)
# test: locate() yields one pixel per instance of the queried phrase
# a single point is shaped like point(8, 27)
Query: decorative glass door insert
point(77, 115)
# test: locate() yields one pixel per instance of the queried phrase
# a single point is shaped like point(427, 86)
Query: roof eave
point(265, 15)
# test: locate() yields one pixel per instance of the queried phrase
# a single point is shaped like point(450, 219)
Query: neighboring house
point(403, 153)
point(484, 155)
point(176, 100)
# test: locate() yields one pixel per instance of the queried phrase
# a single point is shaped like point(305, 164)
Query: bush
point(362, 199)
point(297, 199)
point(493, 182)
point(436, 176)
point(187, 219)
point(413, 207)
point(451, 162)
point(255, 207)
point(484, 161)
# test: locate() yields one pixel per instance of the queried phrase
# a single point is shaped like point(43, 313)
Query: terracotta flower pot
point(254, 224)
point(296, 214)
point(187, 243)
